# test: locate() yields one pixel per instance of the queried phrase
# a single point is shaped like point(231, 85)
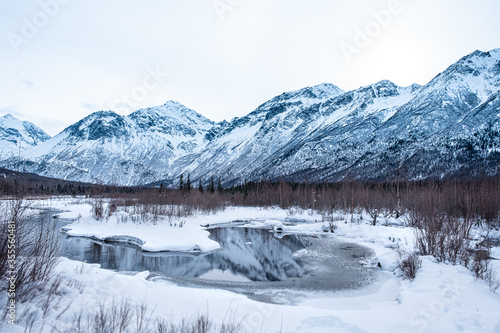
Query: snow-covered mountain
point(425, 138)
point(106, 147)
point(287, 136)
point(449, 126)
point(241, 146)
point(372, 132)
point(16, 134)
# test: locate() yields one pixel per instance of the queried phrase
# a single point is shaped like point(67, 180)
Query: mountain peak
point(172, 103)
point(384, 88)
point(385, 84)
point(326, 87)
point(14, 131)
point(477, 73)
point(477, 60)
point(305, 96)
point(319, 91)
point(99, 124)
point(174, 111)
point(494, 53)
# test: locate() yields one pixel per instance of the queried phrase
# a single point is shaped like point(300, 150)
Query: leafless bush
point(98, 209)
point(409, 263)
point(444, 237)
point(491, 277)
point(481, 268)
point(46, 298)
point(36, 248)
point(83, 268)
point(122, 317)
point(143, 316)
point(413, 219)
point(112, 207)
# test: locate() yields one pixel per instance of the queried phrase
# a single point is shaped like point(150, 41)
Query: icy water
point(256, 262)
point(245, 255)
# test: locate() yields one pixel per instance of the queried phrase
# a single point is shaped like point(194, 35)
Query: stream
point(269, 267)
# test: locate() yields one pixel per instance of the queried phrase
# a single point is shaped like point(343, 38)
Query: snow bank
point(442, 298)
point(164, 236)
point(149, 237)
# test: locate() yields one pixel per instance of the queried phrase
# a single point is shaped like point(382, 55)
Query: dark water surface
point(255, 262)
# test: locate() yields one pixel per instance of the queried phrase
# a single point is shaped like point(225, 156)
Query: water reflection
point(254, 254)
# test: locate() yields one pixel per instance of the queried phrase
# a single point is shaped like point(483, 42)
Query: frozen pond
point(256, 262)
point(245, 255)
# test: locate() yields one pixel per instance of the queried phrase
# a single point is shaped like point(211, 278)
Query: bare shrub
point(112, 207)
point(98, 209)
point(36, 248)
point(409, 263)
point(121, 317)
point(481, 268)
point(444, 237)
point(45, 299)
point(491, 277)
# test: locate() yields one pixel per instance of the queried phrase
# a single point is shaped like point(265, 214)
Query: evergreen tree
point(219, 186)
point(245, 190)
point(181, 182)
point(200, 186)
point(212, 186)
point(188, 183)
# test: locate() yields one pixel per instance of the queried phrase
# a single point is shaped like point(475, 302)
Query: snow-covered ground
point(442, 298)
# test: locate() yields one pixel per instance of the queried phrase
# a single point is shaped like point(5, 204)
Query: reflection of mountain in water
point(257, 254)
point(253, 253)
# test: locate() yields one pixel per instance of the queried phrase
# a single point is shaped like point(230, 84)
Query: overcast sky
point(64, 59)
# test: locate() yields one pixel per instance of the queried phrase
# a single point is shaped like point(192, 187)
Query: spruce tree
point(188, 183)
point(200, 186)
point(219, 186)
point(212, 186)
point(181, 182)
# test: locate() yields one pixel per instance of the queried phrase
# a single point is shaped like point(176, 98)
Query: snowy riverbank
point(442, 298)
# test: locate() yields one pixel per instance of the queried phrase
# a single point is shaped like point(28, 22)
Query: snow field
point(442, 297)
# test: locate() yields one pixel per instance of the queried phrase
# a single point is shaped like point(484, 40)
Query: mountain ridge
point(318, 133)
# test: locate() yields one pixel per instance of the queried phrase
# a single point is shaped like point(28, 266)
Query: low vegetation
point(444, 215)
